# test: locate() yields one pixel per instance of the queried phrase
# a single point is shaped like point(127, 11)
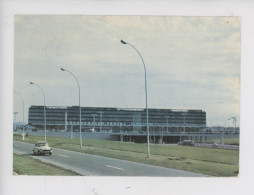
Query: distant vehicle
point(90, 130)
point(215, 145)
point(186, 143)
point(42, 148)
point(30, 128)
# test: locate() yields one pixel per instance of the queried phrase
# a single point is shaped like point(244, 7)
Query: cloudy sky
point(191, 62)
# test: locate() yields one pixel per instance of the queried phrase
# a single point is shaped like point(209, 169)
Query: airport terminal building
point(104, 119)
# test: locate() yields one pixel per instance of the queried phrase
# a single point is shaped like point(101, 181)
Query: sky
point(191, 62)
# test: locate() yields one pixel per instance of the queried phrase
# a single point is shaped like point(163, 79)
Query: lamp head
point(62, 69)
point(31, 83)
point(123, 42)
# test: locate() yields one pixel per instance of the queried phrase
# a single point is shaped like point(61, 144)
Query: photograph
point(126, 95)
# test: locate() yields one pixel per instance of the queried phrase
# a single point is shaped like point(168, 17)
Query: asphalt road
point(92, 165)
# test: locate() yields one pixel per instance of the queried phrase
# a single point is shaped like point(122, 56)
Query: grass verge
point(25, 165)
point(228, 141)
point(210, 161)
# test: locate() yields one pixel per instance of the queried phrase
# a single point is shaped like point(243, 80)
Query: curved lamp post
point(100, 112)
point(167, 117)
point(80, 135)
point(94, 115)
point(44, 108)
point(223, 133)
point(23, 107)
point(15, 117)
point(147, 124)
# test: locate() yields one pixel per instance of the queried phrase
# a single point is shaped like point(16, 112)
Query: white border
point(124, 185)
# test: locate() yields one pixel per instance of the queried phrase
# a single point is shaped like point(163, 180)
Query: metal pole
point(184, 125)
point(45, 120)
point(23, 108)
point(234, 121)
point(23, 114)
point(224, 130)
point(94, 115)
point(161, 134)
point(100, 120)
point(43, 109)
point(80, 135)
point(223, 136)
point(167, 122)
point(147, 123)
point(121, 133)
point(71, 130)
point(15, 115)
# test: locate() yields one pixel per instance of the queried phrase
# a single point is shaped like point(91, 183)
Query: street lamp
point(147, 124)
point(94, 115)
point(15, 114)
point(80, 135)
point(167, 117)
point(224, 130)
point(44, 108)
point(234, 121)
point(101, 120)
point(184, 115)
point(23, 108)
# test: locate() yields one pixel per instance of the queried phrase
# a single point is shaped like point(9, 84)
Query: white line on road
point(114, 167)
point(63, 156)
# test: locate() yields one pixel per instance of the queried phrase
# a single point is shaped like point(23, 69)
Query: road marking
point(114, 167)
point(17, 153)
point(63, 156)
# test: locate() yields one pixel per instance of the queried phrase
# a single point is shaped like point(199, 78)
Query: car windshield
point(42, 144)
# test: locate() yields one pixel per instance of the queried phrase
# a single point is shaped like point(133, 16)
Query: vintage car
point(42, 147)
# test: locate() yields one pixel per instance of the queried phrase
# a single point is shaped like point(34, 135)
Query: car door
point(36, 148)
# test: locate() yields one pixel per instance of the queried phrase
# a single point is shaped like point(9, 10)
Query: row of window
point(118, 116)
point(114, 119)
point(114, 116)
point(164, 112)
point(123, 114)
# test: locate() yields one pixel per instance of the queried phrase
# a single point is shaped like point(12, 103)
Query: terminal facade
point(105, 119)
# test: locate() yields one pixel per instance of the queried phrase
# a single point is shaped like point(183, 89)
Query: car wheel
point(34, 153)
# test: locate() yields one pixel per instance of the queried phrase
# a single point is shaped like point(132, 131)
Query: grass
point(25, 165)
point(210, 161)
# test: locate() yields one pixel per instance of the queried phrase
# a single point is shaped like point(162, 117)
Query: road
point(92, 165)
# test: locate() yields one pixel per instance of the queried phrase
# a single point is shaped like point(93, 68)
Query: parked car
point(186, 143)
point(215, 145)
point(42, 147)
point(30, 128)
